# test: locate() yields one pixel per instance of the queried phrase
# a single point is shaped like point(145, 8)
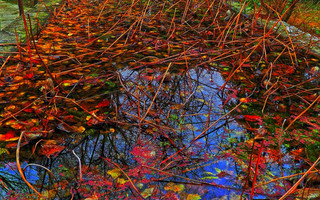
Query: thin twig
point(80, 168)
point(19, 165)
point(300, 180)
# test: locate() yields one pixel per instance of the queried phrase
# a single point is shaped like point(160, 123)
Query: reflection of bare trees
point(182, 108)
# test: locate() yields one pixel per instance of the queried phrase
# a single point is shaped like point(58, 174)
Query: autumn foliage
point(157, 100)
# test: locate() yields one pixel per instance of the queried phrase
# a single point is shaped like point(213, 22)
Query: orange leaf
point(51, 149)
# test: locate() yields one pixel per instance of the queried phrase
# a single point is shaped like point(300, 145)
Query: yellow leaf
point(179, 188)
point(79, 129)
point(193, 197)
point(18, 78)
point(11, 107)
point(244, 100)
point(70, 82)
point(3, 151)
point(176, 188)
point(121, 180)
point(86, 87)
point(115, 173)
point(147, 192)
point(48, 194)
point(12, 139)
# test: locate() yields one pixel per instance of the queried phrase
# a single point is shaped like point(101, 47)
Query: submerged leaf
point(173, 187)
point(193, 197)
point(147, 192)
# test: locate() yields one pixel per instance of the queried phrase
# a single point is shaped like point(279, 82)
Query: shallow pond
point(147, 113)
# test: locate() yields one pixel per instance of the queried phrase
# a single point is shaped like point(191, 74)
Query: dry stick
point(131, 182)
point(221, 56)
point(48, 10)
point(155, 96)
point(173, 5)
point(185, 11)
point(4, 185)
point(209, 7)
point(205, 14)
point(197, 166)
point(18, 44)
point(171, 58)
point(28, 39)
point(14, 114)
point(285, 177)
point(144, 11)
point(249, 171)
point(5, 62)
point(119, 37)
point(195, 181)
point(203, 132)
point(19, 166)
point(280, 152)
point(124, 87)
point(284, 27)
point(9, 52)
point(209, 113)
point(172, 23)
point(8, 44)
point(47, 68)
point(139, 114)
point(159, 12)
point(238, 18)
point(295, 119)
point(300, 180)
point(74, 102)
point(182, 177)
point(80, 169)
point(297, 94)
point(48, 170)
point(75, 69)
point(311, 79)
point(64, 123)
point(110, 29)
point(60, 10)
point(256, 171)
point(106, 33)
point(256, 46)
point(70, 58)
point(147, 122)
point(265, 102)
point(88, 28)
point(229, 27)
point(33, 164)
point(104, 5)
point(256, 16)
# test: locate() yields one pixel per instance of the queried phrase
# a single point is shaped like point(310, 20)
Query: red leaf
point(28, 76)
point(252, 118)
point(51, 149)
point(28, 110)
point(222, 174)
point(36, 61)
point(103, 103)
